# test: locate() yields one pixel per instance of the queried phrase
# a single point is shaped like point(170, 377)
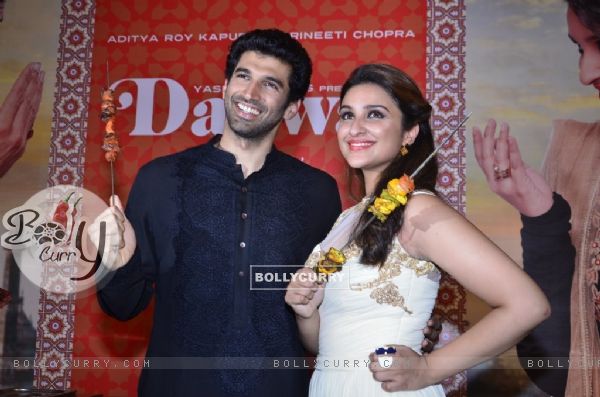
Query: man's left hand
point(432, 334)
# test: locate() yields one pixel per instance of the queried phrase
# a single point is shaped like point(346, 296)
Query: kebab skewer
point(111, 142)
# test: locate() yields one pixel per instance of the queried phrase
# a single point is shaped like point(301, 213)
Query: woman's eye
point(345, 116)
point(375, 114)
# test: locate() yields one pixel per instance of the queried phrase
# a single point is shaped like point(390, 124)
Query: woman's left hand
point(408, 370)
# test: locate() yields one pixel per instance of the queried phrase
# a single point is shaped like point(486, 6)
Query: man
point(203, 217)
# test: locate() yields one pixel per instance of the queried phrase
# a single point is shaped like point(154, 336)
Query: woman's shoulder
point(423, 213)
point(421, 200)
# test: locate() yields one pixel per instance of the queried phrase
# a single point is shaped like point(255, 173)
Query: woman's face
point(589, 50)
point(370, 128)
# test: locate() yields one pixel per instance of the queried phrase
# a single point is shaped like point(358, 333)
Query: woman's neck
point(371, 178)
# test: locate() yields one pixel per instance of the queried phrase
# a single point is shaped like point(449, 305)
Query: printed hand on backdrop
point(17, 114)
point(119, 243)
point(507, 175)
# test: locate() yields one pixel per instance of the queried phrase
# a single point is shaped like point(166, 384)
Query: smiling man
point(203, 217)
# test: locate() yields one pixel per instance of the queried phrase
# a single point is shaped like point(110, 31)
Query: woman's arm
point(434, 231)
point(304, 296)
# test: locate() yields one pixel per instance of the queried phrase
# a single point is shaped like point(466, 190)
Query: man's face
point(256, 95)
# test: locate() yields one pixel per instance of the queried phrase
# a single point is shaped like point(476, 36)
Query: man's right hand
point(119, 244)
point(304, 294)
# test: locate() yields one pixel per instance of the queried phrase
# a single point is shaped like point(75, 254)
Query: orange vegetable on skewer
point(107, 115)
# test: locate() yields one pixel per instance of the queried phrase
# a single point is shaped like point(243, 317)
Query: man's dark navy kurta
point(202, 232)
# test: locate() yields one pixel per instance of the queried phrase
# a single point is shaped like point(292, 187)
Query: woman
point(384, 293)
point(570, 170)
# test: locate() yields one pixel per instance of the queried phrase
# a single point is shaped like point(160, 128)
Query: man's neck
point(249, 153)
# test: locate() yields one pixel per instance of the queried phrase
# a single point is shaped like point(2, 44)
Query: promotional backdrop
point(165, 62)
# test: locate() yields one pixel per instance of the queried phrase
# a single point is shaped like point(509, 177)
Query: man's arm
point(549, 257)
point(130, 288)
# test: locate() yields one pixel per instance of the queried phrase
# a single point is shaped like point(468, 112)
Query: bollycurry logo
point(49, 238)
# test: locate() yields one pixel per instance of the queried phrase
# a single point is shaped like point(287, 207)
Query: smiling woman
point(385, 291)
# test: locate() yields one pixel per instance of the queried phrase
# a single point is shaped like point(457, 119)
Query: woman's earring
point(403, 150)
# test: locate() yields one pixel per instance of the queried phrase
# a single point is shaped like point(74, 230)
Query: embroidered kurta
point(203, 234)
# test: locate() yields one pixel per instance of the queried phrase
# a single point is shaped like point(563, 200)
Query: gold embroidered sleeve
point(313, 259)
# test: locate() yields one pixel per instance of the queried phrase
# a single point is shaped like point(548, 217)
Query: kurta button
point(244, 189)
point(244, 215)
point(243, 244)
point(241, 274)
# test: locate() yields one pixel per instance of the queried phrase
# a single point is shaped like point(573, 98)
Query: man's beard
point(248, 129)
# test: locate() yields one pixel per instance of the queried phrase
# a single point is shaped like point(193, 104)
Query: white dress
point(366, 307)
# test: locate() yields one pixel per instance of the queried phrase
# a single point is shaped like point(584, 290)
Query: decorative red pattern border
point(445, 91)
point(55, 328)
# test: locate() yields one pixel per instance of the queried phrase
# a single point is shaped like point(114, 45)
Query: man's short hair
point(280, 45)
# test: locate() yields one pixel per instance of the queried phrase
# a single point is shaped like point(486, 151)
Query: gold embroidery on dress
point(313, 259)
point(385, 292)
point(390, 295)
point(352, 251)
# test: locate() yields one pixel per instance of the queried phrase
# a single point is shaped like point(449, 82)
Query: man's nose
point(251, 91)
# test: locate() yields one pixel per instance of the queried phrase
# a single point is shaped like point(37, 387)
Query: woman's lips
point(359, 145)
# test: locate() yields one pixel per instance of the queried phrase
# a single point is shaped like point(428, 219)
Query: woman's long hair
point(588, 12)
point(376, 239)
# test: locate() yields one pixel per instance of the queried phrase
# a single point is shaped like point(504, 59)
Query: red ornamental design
point(55, 325)
point(73, 71)
point(67, 142)
point(71, 106)
point(446, 31)
point(445, 179)
point(78, 5)
point(52, 363)
point(446, 103)
point(446, 296)
point(446, 67)
point(65, 177)
point(75, 38)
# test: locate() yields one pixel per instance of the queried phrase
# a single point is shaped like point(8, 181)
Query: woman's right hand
point(507, 175)
point(304, 294)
